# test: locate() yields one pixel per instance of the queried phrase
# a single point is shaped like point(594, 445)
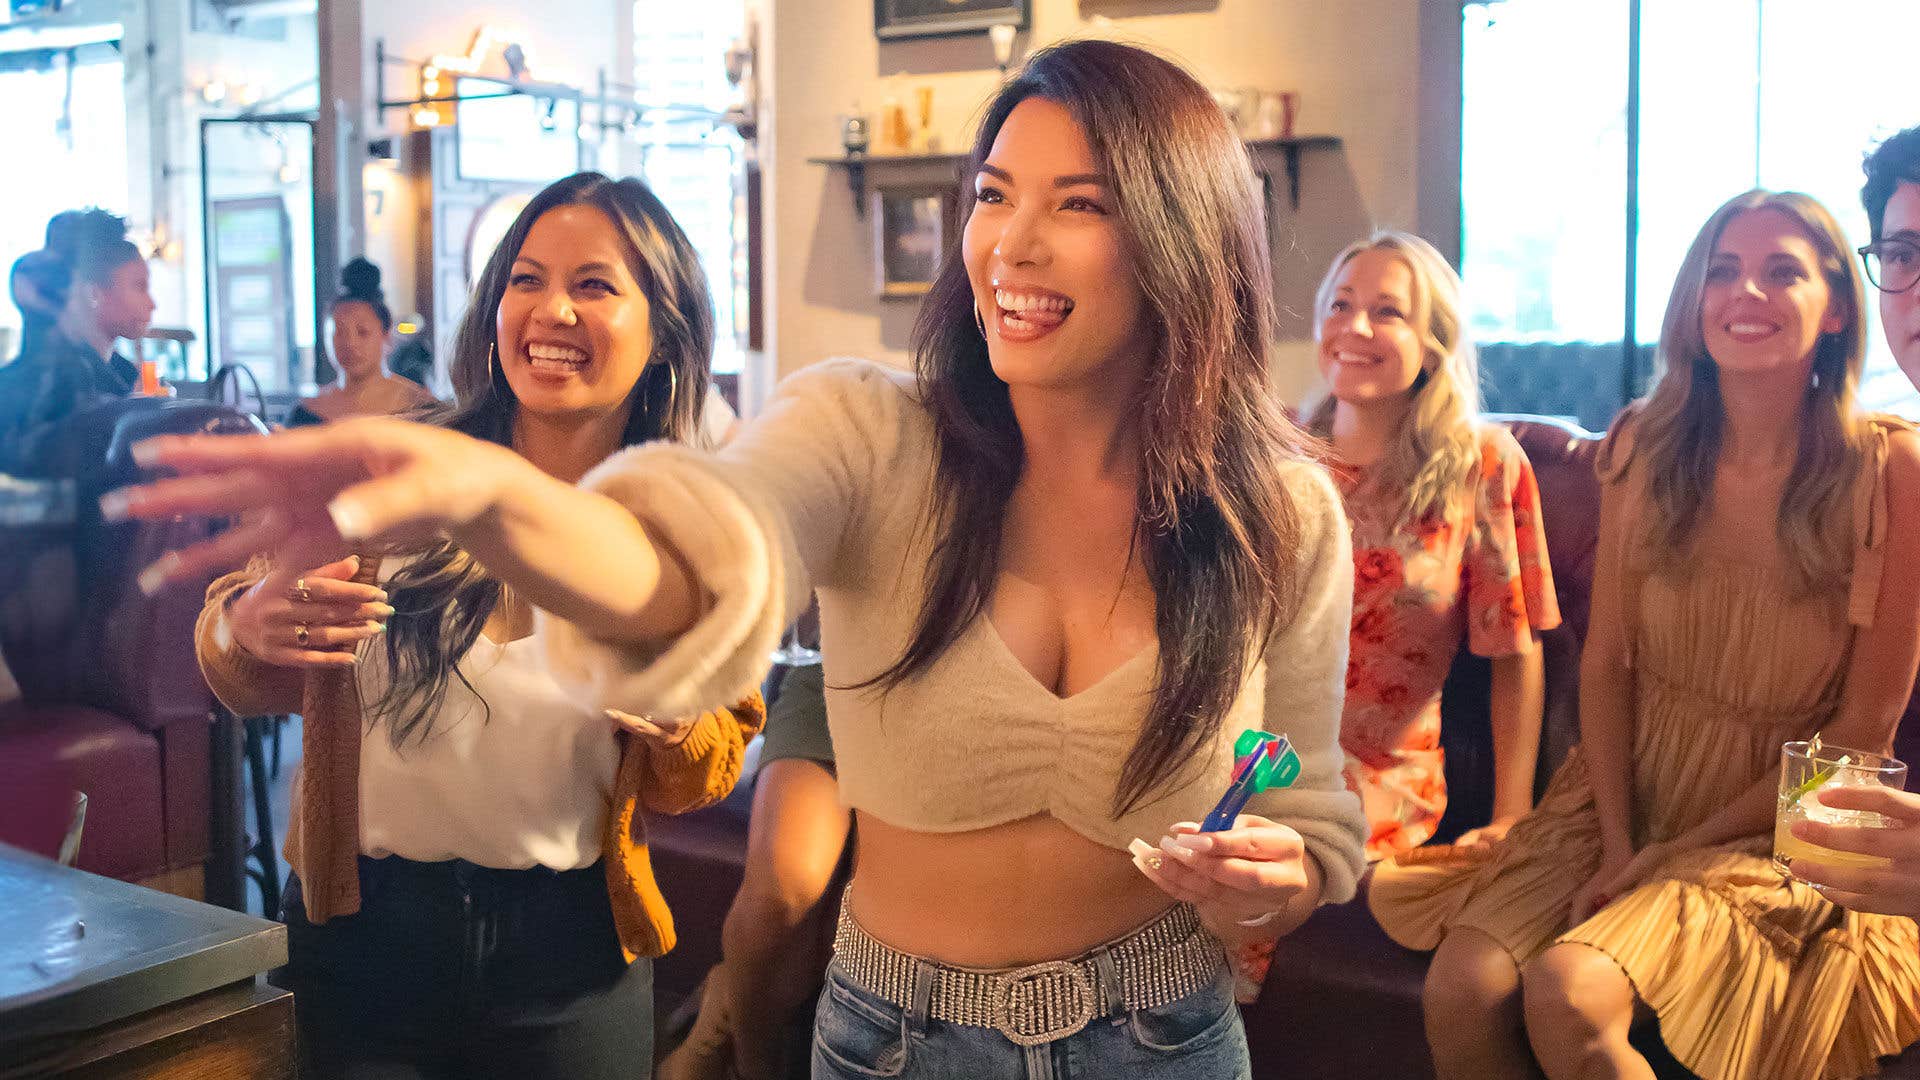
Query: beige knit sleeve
point(1306, 667)
point(760, 523)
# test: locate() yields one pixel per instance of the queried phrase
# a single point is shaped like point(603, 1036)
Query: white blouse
point(514, 774)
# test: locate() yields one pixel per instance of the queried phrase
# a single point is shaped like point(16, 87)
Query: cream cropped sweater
point(827, 491)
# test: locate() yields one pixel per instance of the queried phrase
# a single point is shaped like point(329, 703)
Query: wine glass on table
point(794, 651)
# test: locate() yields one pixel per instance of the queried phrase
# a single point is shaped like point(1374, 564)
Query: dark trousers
point(455, 970)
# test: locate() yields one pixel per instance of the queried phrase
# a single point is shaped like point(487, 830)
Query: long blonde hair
point(1681, 427)
point(1434, 452)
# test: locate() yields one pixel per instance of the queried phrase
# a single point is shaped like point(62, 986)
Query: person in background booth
point(1060, 572)
point(99, 279)
point(1448, 545)
point(1757, 581)
point(362, 327)
point(1892, 199)
point(472, 894)
point(39, 280)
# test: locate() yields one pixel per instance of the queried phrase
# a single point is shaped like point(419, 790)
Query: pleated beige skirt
point(1754, 976)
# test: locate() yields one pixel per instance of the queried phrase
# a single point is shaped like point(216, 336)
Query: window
point(1732, 94)
point(693, 165)
point(66, 114)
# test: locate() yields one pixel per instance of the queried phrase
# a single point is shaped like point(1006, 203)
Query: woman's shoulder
point(1623, 438)
point(407, 394)
point(1309, 479)
point(1896, 448)
point(1496, 441)
point(327, 404)
point(852, 399)
point(1498, 452)
point(1316, 498)
point(855, 382)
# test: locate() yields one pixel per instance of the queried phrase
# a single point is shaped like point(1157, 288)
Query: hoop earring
point(494, 370)
point(673, 388)
point(979, 322)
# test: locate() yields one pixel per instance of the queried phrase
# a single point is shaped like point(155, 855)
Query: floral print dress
point(1477, 571)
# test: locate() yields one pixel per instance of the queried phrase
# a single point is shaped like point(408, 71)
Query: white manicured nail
point(1186, 847)
point(348, 519)
point(114, 505)
point(146, 454)
point(154, 578)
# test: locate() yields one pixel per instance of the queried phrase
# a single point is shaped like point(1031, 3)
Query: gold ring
point(300, 634)
point(301, 592)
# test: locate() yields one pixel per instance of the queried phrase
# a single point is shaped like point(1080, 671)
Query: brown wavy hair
point(443, 598)
point(1218, 529)
point(1682, 423)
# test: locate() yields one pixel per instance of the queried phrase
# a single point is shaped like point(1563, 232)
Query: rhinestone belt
point(1156, 965)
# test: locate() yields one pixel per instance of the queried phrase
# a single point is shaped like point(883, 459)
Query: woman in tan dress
point(1759, 567)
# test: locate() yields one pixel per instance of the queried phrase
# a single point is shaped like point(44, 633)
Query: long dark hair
point(443, 598)
point(1218, 530)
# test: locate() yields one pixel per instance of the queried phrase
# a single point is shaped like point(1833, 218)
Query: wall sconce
point(1001, 34)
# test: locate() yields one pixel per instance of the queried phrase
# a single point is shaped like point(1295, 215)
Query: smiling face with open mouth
point(573, 326)
point(1047, 257)
point(1766, 301)
point(1369, 350)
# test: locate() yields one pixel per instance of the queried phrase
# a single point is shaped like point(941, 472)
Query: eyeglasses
point(1892, 265)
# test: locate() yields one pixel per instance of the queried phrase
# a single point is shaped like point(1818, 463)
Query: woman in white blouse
point(471, 894)
point(1059, 573)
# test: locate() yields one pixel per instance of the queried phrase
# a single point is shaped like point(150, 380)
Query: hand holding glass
point(1808, 768)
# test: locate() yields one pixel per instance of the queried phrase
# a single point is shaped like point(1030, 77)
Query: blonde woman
point(1447, 544)
point(1758, 570)
point(1447, 539)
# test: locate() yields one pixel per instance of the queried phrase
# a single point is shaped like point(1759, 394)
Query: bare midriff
point(1014, 894)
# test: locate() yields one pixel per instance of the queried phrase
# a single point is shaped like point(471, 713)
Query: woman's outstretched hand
point(311, 495)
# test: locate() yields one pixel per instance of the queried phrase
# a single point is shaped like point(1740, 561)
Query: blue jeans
point(857, 1036)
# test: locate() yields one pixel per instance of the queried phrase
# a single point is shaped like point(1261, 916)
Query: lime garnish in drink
point(1817, 778)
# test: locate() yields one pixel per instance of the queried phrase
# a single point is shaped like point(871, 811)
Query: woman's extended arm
point(567, 550)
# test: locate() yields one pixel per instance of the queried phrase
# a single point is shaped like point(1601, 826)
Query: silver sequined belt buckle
point(1043, 1002)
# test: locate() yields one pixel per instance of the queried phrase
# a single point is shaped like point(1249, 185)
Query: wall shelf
point(895, 170)
point(892, 170)
point(1289, 151)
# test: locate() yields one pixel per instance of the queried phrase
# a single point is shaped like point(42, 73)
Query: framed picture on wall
point(910, 233)
point(924, 18)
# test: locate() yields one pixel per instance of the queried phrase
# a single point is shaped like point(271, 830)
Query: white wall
point(1356, 64)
